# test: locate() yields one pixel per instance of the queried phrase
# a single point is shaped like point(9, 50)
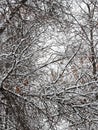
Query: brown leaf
point(25, 82)
point(18, 90)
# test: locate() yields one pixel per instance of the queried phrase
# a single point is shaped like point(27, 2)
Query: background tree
point(48, 64)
